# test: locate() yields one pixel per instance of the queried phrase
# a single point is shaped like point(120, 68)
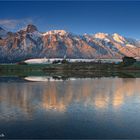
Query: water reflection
point(43, 78)
point(26, 99)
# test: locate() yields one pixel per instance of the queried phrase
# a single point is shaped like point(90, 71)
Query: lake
point(43, 107)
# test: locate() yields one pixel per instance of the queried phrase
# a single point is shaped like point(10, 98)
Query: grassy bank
point(76, 69)
point(75, 66)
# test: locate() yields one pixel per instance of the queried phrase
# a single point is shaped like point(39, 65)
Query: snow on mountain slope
point(29, 43)
point(101, 35)
point(59, 32)
point(118, 38)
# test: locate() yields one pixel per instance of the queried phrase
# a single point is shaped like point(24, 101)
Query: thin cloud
point(14, 24)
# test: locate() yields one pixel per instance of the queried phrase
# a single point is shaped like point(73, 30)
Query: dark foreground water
point(75, 108)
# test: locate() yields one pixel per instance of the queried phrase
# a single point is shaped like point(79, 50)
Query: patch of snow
point(60, 32)
point(100, 35)
point(129, 45)
point(35, 35)
point(118, 38)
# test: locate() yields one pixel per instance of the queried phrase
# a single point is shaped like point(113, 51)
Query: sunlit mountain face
point(29, 43)
point(25, 100)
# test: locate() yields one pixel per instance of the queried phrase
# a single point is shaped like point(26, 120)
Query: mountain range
point(29, 43)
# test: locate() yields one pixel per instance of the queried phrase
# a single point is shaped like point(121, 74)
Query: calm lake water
point(75, 108)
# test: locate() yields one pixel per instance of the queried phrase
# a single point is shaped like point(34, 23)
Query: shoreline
point(78, 70)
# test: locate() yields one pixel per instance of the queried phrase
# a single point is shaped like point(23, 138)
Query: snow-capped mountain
point(30, 43)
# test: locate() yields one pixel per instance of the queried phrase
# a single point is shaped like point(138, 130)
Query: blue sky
point(79, 17)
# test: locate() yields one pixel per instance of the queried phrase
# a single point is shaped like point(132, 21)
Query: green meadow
point(76, 69)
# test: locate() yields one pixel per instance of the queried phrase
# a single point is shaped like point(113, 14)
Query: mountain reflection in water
point(24, 100)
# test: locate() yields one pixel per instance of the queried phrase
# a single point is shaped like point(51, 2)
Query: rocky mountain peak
point(31, 28)
point(30, 43)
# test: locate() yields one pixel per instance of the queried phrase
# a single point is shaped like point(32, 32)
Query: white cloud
point(13, 24)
